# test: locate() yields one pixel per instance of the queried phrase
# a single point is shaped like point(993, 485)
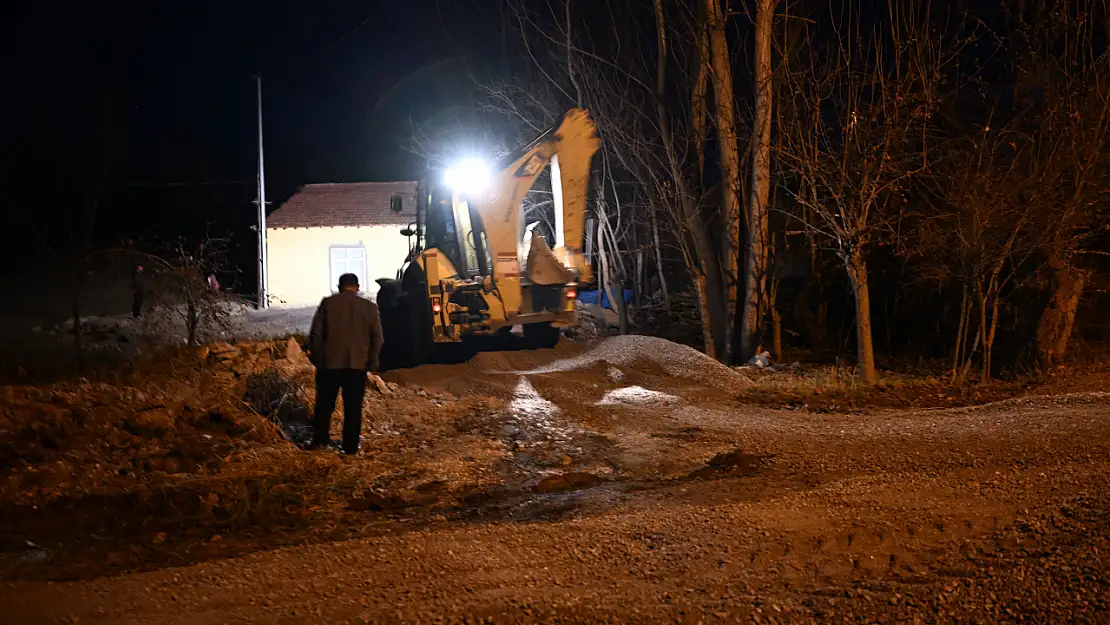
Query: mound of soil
point(85, 437)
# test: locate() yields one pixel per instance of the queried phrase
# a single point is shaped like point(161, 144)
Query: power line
point(354, 30)
point(131, 185)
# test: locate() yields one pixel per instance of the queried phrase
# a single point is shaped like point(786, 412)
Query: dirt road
point(996, 513)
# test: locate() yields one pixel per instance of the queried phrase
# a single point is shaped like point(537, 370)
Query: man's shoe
point(326, 445)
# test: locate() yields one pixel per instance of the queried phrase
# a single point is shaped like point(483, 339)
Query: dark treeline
point(912, 179)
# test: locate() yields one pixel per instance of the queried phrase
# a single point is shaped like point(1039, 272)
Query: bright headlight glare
point(469, 176)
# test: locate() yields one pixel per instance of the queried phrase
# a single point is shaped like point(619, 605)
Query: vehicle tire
point(418, 316)
point(500, 340)
point(419, 334)
point(541, 335)
point(395, 331)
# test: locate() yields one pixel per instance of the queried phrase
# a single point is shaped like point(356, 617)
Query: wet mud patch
point(389, 502)
point(536, 417)
point(542, 435)
point(576, 480)
point(552, 498)
point(687, 434)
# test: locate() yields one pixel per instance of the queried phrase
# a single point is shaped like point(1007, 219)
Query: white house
point(326, 230)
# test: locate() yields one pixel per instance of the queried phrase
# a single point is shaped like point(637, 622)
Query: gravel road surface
point(997, 513)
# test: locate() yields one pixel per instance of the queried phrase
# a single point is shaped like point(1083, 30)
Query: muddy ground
point(624, 480)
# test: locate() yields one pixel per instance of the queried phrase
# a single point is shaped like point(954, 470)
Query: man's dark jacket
point(346, 333)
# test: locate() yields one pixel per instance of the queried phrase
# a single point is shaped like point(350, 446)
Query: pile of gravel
point(635, 396)
point(677, 360)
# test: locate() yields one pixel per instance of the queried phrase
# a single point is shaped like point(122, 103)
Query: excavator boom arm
point(569, 149)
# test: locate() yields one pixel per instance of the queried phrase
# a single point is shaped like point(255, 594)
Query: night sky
point(146, 100)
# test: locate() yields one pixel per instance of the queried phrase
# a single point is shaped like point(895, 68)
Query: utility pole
point(263, 282)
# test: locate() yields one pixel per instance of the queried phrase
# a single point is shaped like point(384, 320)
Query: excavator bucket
point(543, 267)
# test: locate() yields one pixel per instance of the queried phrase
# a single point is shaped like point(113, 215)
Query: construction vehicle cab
point(476, 268)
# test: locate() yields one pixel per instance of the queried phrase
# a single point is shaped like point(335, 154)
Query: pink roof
point(333, 204)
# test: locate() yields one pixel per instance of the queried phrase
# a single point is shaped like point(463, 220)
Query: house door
point(348, 259)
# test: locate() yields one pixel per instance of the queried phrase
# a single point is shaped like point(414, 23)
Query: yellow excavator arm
point(569, 149)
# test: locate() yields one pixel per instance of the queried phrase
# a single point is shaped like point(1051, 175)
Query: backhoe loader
point(476, 268)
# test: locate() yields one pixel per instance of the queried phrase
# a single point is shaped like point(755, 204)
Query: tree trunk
point(639, 281)
point(711, 300)
point(821, 325)
point(616, 296)
point(988, 350)
point(192, 321)
point(966, 369)
point(607, 242)
point(961, 335)
point(710, 347)
point(698, 101)
point(1058, 319)
point(755, 278)
point(729, 156)
point(78, 346)
point(811, 312)
point(622, 274)
point(659, 261)
point(75, 286)
point(776, 334)
point(772, 302)
point(621, 307)
point(715, 301)
point(981, 299)
point(857, 274)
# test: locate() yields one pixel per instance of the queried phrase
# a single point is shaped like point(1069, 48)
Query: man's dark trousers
point(328, 384)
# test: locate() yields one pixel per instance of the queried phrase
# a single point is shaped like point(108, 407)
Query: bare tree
point(1067, 87)
point(180, 290)
point(1023, 188)
point(983, 230)
point(657, 249)
point(856, 122)
point(701, 257)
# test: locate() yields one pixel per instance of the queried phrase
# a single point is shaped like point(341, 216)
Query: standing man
point(344, 343)
point(140, 282)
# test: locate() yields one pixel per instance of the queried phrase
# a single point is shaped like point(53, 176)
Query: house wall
point(300, 259)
